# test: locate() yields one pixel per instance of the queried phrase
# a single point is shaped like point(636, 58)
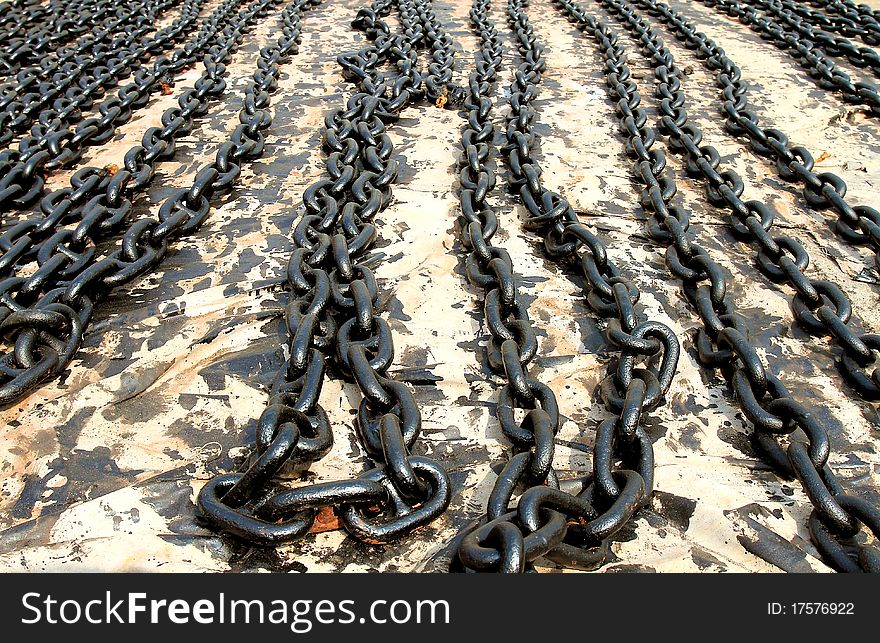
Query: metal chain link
point(820, 306)
point(849, 19)
point(856, 224)
point(98, 202)
point(810, 29)
point(36, 30)
point(58, 91)
point(54, 145)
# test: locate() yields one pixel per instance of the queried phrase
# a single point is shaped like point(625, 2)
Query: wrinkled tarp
point(101, 468)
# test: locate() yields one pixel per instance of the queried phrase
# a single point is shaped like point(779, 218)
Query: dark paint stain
point(394, 307)
point(257, 365)
point(630, 569)
point(32, 533)
point(243, 557)
point(68, 432)
point(27, 499)
point(169, 498)
point(247, 261)
point(196, 431)
point(414, 356)
point(677, 509)
point(88, 473)
point(689, 436)
point(704, 560)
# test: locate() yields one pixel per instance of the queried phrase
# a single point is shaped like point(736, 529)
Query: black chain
point(573, 527)
point(820, 307)
point(17, 18)
point(35, 30)
point(824, 72)
point(101, 33)
point(503, 542)
point(99, 200)
point(44, 319)
point(849, 19)
point(334, 300)
point(333, 306)
point(857, 225)
point(722, 342)
point(64, 85)
point(804, 22)
point(831, 23)
point(53, 145)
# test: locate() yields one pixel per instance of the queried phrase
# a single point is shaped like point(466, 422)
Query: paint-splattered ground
point(101, 468)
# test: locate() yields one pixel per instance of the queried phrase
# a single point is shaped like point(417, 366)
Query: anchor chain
point(574, 527)
point(334, 308)
point(722, 343)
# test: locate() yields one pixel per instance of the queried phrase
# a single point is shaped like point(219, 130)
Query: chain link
point(98, 202)
point(55, 267)
point(856, 225)
point(54, 144)
point(816, 28)
point(848, 19)
point(820, 306)
point(28, 31)
point(64, 85)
